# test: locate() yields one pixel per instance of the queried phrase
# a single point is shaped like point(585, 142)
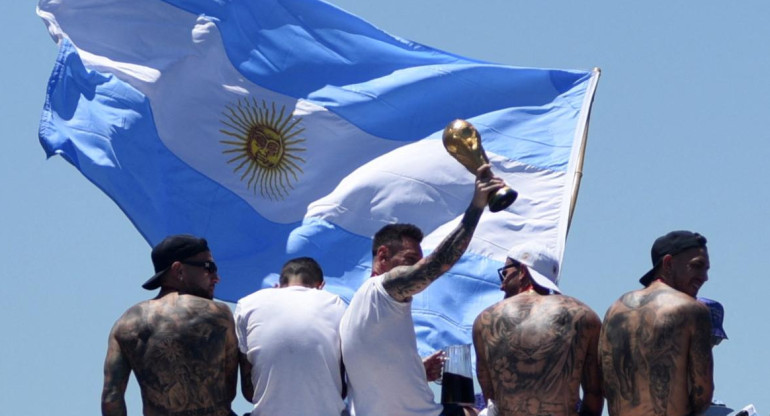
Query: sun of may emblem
point(265, 146)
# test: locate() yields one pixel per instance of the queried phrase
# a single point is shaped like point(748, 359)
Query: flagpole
point(581, 153)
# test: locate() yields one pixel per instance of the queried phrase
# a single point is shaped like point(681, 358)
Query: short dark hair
point(306, 268)
point(390, 236)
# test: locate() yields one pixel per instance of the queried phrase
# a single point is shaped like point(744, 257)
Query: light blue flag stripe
point(106, 120)
point(356, 70)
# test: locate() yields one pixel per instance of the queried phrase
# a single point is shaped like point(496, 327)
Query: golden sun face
point(266, 145)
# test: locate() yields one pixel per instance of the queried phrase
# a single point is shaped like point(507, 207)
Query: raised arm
point(700, 362)
point(403, 282)
point(116, 373)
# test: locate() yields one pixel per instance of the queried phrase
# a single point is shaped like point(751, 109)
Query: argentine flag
point(285, 128)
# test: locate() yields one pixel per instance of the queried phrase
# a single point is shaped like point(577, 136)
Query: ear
point(382, 253)
point(173, 277)
point(665, 266)
point(176, 270)
point(321, 286)
point(382, 256)
point(527, 279)
point(379, 262)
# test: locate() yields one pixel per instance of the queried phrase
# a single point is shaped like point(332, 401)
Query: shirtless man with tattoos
point(655, 344)
point(180, 345)
point(379, 347)
point(536, 348)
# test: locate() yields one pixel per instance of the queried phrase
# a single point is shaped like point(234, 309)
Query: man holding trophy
point(379, 347)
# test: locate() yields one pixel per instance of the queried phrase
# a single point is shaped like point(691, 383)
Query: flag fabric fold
point(280, 128)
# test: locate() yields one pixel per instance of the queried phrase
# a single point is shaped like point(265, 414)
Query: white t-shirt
point(385, 372)
point(291, 337)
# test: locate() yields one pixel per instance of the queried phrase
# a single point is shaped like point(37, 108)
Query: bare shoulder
point(576, 305)
point(178, 301)
point(136, 311)
point(484, 318)
point(203, 310)
point(616, 307)
point(572, 311)
point(589, 319)
point(643, 299)
point(132, 320)
point(652, 304)
point(170, 312)
point(499, 317)
point(210, 305)
point(506, 308)
point(223, 309)
point(701, 317)
point(668, 301)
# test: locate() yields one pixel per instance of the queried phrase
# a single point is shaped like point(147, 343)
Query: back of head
point(392, 234)
point(173, 248)
point(672, 243)
point(541, 263)
point(301, 271)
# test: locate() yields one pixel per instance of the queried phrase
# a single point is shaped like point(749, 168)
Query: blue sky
point(679, 139)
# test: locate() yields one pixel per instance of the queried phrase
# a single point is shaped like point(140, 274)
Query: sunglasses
point(500, 271)
point(210, 266)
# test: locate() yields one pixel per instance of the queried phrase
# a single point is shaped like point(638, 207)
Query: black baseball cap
point(672, 243)
point(173, 248)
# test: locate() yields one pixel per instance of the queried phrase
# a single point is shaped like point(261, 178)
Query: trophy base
point(502, 199)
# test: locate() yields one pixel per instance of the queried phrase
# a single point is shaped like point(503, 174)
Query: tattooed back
point(534, 351)
point(655, 354)
point(183, 352)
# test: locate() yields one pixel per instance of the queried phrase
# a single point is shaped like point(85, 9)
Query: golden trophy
point(463, 142)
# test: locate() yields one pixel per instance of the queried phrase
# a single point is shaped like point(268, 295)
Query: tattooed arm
point(403, 282)
point(700, 362)
point(247, 387)
point(482, 364)
point(232, 354)
point(116, 373)
point(593, 399)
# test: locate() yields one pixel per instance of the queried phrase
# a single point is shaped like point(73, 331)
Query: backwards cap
point(173, 248)
point(672, 243)
point(541, 263)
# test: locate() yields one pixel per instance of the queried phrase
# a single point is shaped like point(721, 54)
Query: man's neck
point(527, 289)
point(298, 284)
point(165, 291)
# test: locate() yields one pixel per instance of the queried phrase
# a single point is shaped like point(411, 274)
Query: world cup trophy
point(463, 142)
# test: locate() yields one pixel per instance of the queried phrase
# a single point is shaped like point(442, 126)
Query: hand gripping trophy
point(463, 142)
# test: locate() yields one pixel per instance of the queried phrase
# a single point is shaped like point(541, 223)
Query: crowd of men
point(302, 351)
